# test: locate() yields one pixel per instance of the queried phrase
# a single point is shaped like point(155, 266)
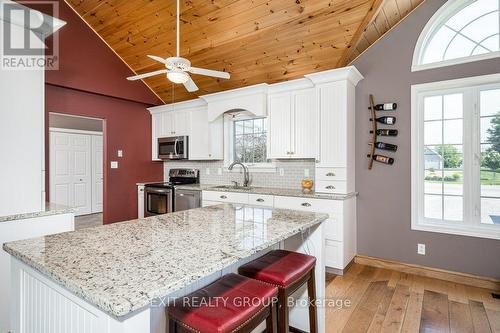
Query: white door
point(305, 133)
point(279, 126)
point(70, 171)
point(97, 173)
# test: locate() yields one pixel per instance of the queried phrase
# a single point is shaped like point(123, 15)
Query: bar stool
point(221, 307)
point(288, 271)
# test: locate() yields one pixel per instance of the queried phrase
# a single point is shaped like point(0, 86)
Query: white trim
point(74, 131)
point(450, 8)
point(75, 116)
point(471, 224)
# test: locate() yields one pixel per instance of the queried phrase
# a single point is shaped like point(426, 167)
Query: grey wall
point(384, 205)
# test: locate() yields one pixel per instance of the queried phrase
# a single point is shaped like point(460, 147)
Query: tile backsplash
point(293, 173)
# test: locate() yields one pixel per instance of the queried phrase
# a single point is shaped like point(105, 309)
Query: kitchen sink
point(233, 187)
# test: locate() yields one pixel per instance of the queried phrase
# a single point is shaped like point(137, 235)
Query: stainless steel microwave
point(173, 148)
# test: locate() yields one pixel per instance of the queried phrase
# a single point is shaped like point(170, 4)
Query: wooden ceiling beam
point(370, 16)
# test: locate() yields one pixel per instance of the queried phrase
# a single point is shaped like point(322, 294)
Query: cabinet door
point(216, 139)
point(280, 126)
point(156, 132)
point(167, 120)
point(181, 123)
point(305, 133)
point(333, 125)
point(205, 141)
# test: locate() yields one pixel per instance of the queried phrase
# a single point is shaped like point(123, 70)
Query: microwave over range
point(173, 148)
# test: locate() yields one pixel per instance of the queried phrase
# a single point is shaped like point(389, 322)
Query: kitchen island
point(118, 278)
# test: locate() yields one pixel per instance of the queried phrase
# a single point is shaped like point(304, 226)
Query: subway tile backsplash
point(293, 173)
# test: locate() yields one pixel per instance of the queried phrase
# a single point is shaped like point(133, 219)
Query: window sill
point(261, 168)
point(461, 229)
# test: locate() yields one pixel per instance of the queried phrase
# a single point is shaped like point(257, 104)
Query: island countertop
point(122, 267)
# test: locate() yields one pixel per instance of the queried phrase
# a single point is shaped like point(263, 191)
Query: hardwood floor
point(383, 300)
point(88, 221)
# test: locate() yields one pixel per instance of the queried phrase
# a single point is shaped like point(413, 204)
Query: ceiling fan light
point(178, 77)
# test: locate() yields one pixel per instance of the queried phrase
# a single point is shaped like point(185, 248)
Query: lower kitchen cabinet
point(339, 228)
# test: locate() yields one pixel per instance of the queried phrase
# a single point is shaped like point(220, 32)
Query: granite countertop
point(122, 267)
point(50, 209)
point(286, 192)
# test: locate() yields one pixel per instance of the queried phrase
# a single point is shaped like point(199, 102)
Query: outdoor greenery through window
point(249, 141)
point(457, 183)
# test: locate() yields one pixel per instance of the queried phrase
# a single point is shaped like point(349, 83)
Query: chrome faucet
point(246, 176)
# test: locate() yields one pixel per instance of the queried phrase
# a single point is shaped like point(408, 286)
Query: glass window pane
point(459, 47)
point(453, 208)
point(250, 141)
point(453, 131)
point(453, 106)
point(258, 125)
point(490, 102)
point(471, 12)
point(433, 108)
point(433, 206)
point(482, 28)
point(492, 43)
point(490, 211)
point(248, 127)
point(433, 132)
point(238, 127)
point(434, 51)
point(433, 183)
point(433, 160)
point(490, 179)
point(487, 130)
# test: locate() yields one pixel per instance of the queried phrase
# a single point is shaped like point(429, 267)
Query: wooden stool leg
point(283, 311)
point(311, 293)
point(271, 319)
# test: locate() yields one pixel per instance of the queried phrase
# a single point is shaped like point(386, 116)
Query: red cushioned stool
point(288, 271)
point(233, 303)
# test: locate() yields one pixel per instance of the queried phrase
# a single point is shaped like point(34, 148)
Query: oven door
point(173, 148)
point(157, 201)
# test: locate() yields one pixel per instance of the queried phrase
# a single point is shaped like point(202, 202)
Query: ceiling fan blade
point(159, 59)
point(190, 85)
point(145, 75)
point(209, 72)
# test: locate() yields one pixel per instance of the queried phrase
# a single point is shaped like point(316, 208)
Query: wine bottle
point(386, 146)
point(388, 120)
point(383, 159)
point(386, 132)
point(385, 107)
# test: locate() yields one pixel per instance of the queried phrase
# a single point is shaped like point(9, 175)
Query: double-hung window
point(456, 157)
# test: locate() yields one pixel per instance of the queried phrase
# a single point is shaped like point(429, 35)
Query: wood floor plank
point(411, 323)
point(435, 313)
point(460, 318)
point(494, 320)
point(395, 314)
point(378, 319)
point(479, 317)
point(360, 319)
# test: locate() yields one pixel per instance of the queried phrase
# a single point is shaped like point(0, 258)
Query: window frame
point(269, 167)
point(471, 224)
point(441, 16)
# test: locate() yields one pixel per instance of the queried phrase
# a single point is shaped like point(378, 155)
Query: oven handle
point(157, 190)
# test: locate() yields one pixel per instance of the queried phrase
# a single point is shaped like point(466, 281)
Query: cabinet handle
point(306, 204)
point(330, 174)
point(223, 197)
point(330, 187)
point(142, 190)
point(260, 200)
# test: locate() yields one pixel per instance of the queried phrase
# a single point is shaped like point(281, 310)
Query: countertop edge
point(50, 210)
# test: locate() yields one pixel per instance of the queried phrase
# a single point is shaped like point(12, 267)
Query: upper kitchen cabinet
point(173, 123)
point(206, 140)
point(293, 124)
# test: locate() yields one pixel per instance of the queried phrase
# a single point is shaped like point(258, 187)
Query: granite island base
point(119, 278)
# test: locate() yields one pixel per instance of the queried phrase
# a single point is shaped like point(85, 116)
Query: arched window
point(460, 31)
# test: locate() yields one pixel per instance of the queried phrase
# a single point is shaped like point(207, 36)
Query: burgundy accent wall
point(384, 202)
point(91, 82)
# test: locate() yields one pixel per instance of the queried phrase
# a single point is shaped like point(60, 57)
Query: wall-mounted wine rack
point(375, 131)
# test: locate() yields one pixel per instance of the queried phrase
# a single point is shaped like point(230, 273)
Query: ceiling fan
point(177, 68)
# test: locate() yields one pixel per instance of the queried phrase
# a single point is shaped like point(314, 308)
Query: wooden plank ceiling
point(255, 40)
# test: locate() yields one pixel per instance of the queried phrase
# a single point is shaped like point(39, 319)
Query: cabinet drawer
point(308, 205)
point(261, 200)
point(333, 254)
point(331, 186)
point(231, 197)
point(333, 228)
point(331, 173)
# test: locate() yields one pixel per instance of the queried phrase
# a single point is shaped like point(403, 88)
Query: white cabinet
point(293, 124)
point(206, 139)
point(173, 123)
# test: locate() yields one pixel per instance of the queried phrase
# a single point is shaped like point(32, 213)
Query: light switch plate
point(114, 164)
point(120, 153)
point(421, 249)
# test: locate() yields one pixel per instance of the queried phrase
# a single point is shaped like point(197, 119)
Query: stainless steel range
point(163, 198)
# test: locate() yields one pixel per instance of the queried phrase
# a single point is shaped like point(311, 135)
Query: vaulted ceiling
point(255, 40)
